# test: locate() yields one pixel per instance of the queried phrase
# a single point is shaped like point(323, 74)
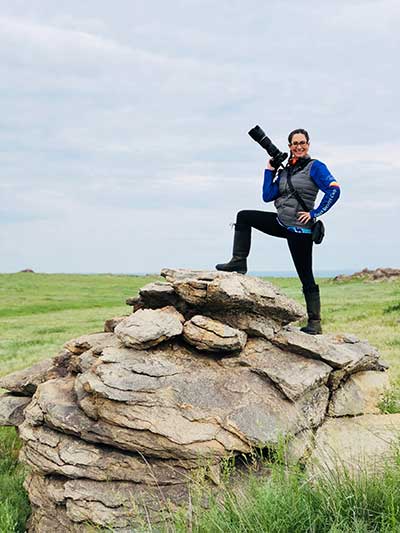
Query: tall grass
point(14, 503)
point(288, 502)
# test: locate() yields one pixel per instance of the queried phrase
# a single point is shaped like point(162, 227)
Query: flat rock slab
point(195, 406)
point(95, 341)
point(179, 274)
point(356, 444)
point(169, 404)
point(359, 394)
point(70, 504)
point(26, 381)
point(158, 294)
point(12, 409)
point(336, 352)
point(293, 374)
point(254, 325)
point(53, 453)
point(148, 327)
point(231, 291)
point(210, 335)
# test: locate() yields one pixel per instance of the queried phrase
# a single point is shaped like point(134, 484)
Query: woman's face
point(299, 146)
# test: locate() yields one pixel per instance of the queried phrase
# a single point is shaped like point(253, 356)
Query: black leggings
point(300, 244)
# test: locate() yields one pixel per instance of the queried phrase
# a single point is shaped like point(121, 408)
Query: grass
point(14, 504)
point(40, 312)
point(287, 502)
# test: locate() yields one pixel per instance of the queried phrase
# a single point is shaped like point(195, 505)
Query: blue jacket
point(322, 178)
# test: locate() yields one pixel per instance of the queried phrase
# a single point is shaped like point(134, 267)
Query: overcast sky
point(123, 138)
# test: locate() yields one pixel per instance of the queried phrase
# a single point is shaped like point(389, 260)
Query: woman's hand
point(303, 217)
point(269, 166)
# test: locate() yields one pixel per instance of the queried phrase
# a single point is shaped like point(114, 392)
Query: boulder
point(239, 293)
point(170, 406)
point(149, 327)
point(355, 444)
point(211, 335)
point(191, 406)
point(360, 394)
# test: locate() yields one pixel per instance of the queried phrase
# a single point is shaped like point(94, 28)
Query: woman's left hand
point(303, 217)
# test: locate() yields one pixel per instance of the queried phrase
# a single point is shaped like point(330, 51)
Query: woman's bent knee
point(243, 217)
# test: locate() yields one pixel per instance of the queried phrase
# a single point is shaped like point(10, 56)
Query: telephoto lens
point(261, 138)
point(259, 135)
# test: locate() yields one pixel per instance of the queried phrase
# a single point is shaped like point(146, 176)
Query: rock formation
point(117, 428)
point(379, 274)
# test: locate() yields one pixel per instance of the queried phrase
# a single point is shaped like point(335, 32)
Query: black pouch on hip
point(318, 232)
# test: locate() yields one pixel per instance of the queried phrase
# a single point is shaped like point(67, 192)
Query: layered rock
point(210, 335)
point(149, 327)
point(122, 423)
point(379, 274)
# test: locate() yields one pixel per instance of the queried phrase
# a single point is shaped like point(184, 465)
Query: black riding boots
point(241, 249)
point(313, 303)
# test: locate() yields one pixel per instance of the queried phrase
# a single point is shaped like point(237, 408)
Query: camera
point(258, 135)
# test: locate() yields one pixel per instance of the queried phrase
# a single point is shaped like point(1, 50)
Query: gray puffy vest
point(287, 205)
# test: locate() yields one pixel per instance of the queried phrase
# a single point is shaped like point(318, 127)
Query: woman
point(290, 222)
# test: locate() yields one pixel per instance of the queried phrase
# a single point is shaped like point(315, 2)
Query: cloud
point(119, 124)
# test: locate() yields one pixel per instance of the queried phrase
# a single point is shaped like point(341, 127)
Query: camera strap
point(290, 184)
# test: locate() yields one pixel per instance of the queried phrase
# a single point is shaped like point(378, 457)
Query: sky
point(123, 138)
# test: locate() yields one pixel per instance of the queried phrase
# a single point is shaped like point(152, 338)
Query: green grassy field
point(39, 312)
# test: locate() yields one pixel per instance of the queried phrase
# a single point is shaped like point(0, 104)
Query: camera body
point(258, 135)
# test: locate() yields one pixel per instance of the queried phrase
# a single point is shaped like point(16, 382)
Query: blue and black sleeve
point(327, 184)
point(270, 187)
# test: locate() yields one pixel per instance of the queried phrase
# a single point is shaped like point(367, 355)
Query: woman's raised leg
point(245, 220)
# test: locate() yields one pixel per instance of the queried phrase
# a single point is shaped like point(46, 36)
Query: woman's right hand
point(269, 166)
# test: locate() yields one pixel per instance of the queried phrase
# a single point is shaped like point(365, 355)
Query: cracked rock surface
point(119, 425)
point(210, 335)
point(149, 327)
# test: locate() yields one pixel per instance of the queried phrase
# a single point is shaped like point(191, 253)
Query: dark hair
point(299, 130)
